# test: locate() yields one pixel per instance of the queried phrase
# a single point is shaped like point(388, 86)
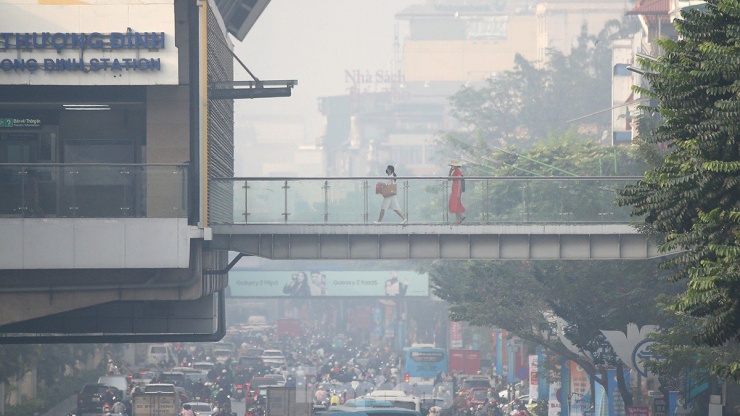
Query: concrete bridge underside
point(394, 242)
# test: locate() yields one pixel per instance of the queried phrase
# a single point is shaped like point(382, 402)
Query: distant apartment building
point(559, 22)
point(453, 42)
point(656, 22)
point(449, 44)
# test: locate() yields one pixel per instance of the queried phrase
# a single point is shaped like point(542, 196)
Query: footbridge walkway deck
point(505, 218)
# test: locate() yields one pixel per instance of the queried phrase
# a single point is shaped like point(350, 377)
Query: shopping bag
point(379, 188)
point(388, 190)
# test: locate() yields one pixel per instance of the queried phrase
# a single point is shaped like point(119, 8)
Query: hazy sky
point(314, 42)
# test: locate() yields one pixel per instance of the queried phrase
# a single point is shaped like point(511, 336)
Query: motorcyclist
point(335, 400)
point(496, 409)
point(111, 367)
point(459, 402)
point(109, 398)
point(520, 408)
point(187, 410)
point(118, 408)
point(321, 395)
point(222, 397)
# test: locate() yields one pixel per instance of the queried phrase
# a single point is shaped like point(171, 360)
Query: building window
point(493, 28)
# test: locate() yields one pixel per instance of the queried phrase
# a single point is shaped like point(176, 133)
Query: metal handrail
point(422, 199)
point(385, 178)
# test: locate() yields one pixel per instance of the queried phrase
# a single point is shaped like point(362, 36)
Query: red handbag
point(379, 188)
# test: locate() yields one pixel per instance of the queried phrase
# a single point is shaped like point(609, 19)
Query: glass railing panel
point(264, 201)
point(425, 200)
point(305, 203)
point(94, 190)
point(347, 201)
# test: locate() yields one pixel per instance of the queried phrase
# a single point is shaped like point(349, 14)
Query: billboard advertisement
point(304, 284)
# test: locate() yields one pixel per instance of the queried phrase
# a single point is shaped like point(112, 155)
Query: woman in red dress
point(455, 204)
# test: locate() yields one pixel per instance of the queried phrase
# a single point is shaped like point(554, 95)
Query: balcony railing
point(93, 190)
point(424, 200)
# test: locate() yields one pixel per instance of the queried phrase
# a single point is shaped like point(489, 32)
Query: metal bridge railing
point(424, 200)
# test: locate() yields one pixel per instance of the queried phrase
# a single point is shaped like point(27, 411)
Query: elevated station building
point(107, 136)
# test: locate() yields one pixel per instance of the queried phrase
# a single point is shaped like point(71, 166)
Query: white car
point(222, 355)
point(201, 409)
point(203, 366)
point(278, 377)
point(273, 358)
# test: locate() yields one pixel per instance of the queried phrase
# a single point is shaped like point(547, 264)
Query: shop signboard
point(660, 406)
point(553, 401)
point(637, 411)
point(533, 377)
point(456, 337)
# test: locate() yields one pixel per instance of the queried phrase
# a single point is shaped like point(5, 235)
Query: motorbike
point(322, 404)
point(255, 411)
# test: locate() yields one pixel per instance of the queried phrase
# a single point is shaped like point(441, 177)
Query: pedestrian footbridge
point(536, 218)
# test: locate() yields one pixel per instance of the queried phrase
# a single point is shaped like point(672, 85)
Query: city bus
point(423, 363)
point(367, 407)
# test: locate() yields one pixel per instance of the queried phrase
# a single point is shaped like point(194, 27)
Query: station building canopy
point(240, 15)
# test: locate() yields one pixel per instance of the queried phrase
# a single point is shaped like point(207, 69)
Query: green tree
point(535, 99)
point(522, 297)
point(692, 197)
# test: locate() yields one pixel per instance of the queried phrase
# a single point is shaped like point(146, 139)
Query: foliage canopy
point(693, 196)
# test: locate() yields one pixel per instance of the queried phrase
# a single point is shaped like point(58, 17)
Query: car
point(257, 382)
point(120, 383)
point(90, 398)
point(222, 355)
point(257, 320)
point(274, 358)
point(476, 396)
point(398, 398)
point(159, 353)
point(474, 381)
point(204, 365)
point(255, 335)
point(142, 378)
point(246, 362)
point(254, 352)
point(277, 377)
point(172, 377)
point(196, 376)
point(201, 408)
point(223, 345)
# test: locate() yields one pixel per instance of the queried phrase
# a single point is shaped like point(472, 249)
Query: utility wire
point(536, 161)
point(606, 109)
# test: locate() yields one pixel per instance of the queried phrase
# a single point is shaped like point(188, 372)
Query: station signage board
point(96, 42)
